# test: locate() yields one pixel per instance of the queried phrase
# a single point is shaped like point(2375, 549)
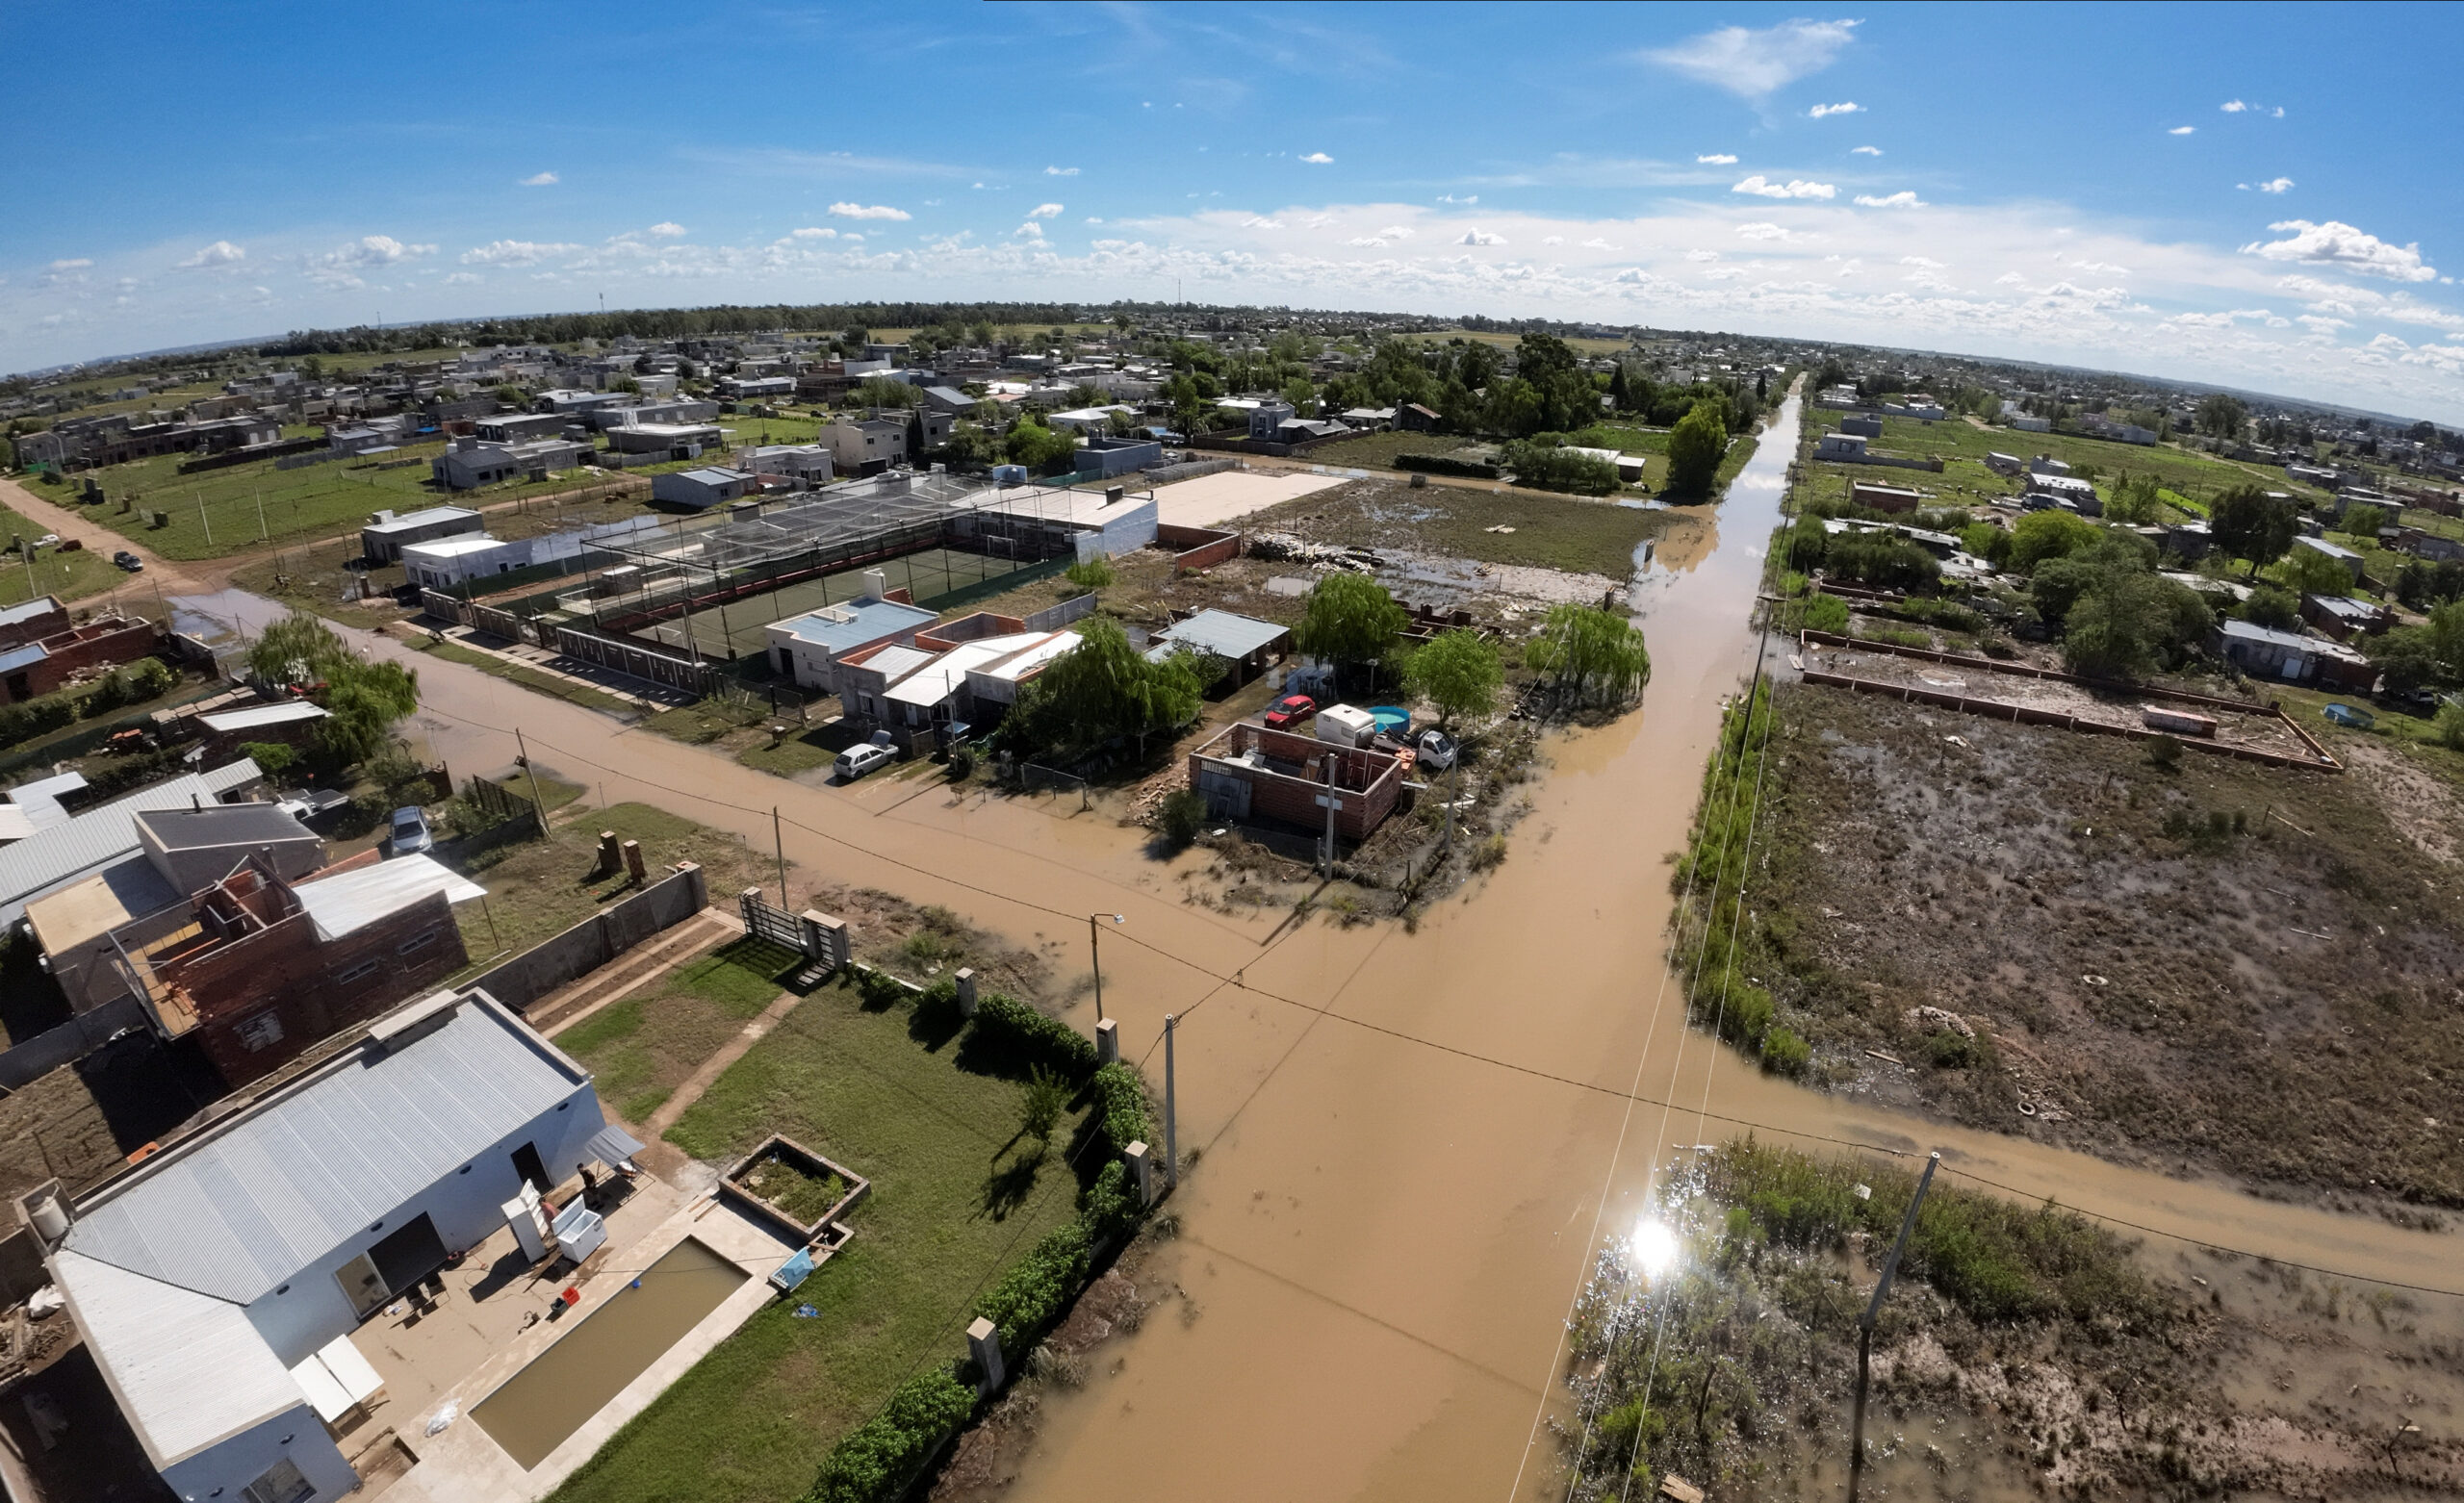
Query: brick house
point(32, 621)
point(1250, 772)
point(31, 669)
point(259, 967)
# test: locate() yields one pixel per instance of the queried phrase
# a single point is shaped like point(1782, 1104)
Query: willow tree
point(1593, 659)
point(1104, 689)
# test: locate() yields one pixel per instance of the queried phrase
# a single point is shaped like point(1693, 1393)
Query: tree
point(2129, 622)
point(362, 700)
point(1695, 449)
point(2308, 572)
point(1181, 816)
point(2409, 657)
point(1590, 656)
point(1459, 672)
point(2273, 608)
point(2048, 534)
point(2248, 524)
point(2363, 521)
point(881, 391)
point(2134, 501)
point(1104, 690)
point(1302, 396)
point(1041, 1105)
point(1037, 447)
point(1351, 620)
point(2222, 416)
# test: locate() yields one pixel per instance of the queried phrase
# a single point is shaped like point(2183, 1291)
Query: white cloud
point(1754, 62)
point(1845, 107)
point(2335, 244)
point(1318, 159)
point(1477, 235)
point(2182, 130)
point(1927, 262)
point(1864, 151)
point(1043, 211)
point(1702, 255)
point(516, 252)
point(1033, 229)
point(1724, 273)
point(540, 180)
point(2106, 267)
point(2387, 344)
point(847, 211)
point(1449, 198)
point(1598, 244)
point(2277, 185)
point(813, 232)
point(1794, 188)
point(2321, 322)
point(2233, 107)
point(1552, 239)
point(221, 253)
point(1762, 230)
point(667, 229)
point(1905, 198)
point(458, 278)
point(73, 263)
point(2008, 279)
point(1261, 222)
point(1718, 159)
point(1060, 171)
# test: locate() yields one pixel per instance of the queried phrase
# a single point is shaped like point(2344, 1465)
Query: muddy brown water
point(1391, 1214)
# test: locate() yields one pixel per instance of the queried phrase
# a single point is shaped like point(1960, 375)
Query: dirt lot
point(2219, 965)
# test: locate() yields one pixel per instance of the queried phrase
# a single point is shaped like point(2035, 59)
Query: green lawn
point(1378, 451)
point(641, 1049)
point(72, 576)
point(2194, 475)
point(956, 1198)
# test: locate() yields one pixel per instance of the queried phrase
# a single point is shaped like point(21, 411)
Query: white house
point(212, 1279)
point(1840, 446)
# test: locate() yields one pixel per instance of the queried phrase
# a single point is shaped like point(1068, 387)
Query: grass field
point(956, 1197)
point(72, 576)
point(1378, 451)
point(2196, 475)
point(736, 629)
point(1549, 531)
point(641, 1049)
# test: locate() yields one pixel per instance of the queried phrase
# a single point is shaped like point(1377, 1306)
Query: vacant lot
point(1548, 531)
point(72, 576)
point(1378, 451)
point(2213, 965)
point(957, 1194)
point(2186, 470)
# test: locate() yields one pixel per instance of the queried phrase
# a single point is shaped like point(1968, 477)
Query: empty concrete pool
point(532, 1413)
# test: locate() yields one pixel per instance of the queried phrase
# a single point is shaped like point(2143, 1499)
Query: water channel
point(1396, 1195)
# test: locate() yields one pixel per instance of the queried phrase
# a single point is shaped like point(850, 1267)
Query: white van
point(856, 761)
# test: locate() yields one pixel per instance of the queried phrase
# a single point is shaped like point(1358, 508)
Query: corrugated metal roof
point(895, 663)
point(262, 715)
point(249, 1202)
point(421, 518)
point(1223, 633)
point(352, 899)
point(188, 1370)
point(60, 855)
point(215, 827)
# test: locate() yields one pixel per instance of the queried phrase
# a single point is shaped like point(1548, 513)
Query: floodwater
point(1409, 1144)
point(532, 1412)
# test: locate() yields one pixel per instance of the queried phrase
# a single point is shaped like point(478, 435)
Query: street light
point(1096, 955)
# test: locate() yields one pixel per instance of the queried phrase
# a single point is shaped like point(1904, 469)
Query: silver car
point(411, 835)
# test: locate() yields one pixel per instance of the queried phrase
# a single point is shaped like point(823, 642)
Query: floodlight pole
point(1865, 1328)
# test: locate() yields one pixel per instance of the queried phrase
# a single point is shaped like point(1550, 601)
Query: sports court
point(1210, 500)
point(735, 629)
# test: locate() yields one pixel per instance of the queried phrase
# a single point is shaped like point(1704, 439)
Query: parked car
point(48, 539)
point(856, 761)
point(1291, 710)
point(1436, 751)
point(411, 835)
point(128, 561)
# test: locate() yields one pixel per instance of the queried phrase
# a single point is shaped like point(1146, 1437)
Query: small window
point(262, 1030)
point(282, 1483)
point(416, 942)
point(357, 973)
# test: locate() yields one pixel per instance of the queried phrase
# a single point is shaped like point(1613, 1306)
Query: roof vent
point(408, 1024)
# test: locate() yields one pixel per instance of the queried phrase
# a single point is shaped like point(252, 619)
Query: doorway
point(528, 1164)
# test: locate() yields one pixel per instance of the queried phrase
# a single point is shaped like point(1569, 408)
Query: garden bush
point(1182, 816)
point(1784, 1053)
point(32, 718)
point(1031, 1295)
point(1111, 1210)
point(1122, 1098)
point(1017, 1034)
point(1827, 613)
point(879, 1458)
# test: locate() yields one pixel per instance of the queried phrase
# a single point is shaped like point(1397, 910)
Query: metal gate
point(761, 920)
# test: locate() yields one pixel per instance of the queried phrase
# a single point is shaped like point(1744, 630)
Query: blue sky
point(2255, 196)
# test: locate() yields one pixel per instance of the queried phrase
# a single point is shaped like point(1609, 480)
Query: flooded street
point(1392, 1204)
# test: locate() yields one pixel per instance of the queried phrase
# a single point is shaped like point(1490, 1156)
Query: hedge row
point(1122, 1097)
point(1012, 1030)
point(880, 1458)
point(1447, 465)
point(140, 680)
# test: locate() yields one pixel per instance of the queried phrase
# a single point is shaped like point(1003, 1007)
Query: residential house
point(205, 1276)
point(674, 439)
point(1843, 447)
point(1247, 645)
point(2047, 465)
point(518, 428)
point(866, 445)
point(755, 388)
point(1266, 420)
point(1874, 496)
point(810, 463)
point(1866, 425)
point(2069, 493)
point(1413, 418)
point(471, 463)
point(700, 489)
point(1110, 456)
point(913, 688)
point(291, 723)
point(1089, 419)
point(2350, 560)
point(2002, 463)
point(949, 399)
point(32, 621)
point(32, 668)
point(1248, 772)
point(808, 647)
point(2345, 617)
point(382, 540)
point(2264, 652)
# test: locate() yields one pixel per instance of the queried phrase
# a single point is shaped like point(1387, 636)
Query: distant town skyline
point(2014, 182)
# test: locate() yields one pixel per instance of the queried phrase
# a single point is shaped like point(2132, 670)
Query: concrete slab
point(1210, 500)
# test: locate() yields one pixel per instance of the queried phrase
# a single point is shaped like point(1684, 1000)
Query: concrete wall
point(1131, 530)
point(1197, 547)
point(225, 1469)
point(31, 1059)
point(596, 940)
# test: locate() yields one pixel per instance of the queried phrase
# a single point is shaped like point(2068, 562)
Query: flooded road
point(1409, 1144)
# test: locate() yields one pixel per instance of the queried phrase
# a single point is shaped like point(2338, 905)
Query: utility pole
point(262, 533)
point(1865, 1328)
point(200, 518)
point(1096, 956)
point(1330, 803)
point(780, 842)
point(538, 805)
point(1171, 1119)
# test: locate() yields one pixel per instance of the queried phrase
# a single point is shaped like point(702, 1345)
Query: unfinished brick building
point(1249, 773)
point(44, 664)
point(259, 968)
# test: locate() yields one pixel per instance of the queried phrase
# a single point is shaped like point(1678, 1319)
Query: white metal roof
point(247, 1204)
point(941, 678)
point(261, 715)
point(27, 610)
point(450, 548)
point(348, 900)
point(421, 518)
point(188, 1370)
point(1019, 665)
point(54, 856)
point(1225, 633)
point(896, 662)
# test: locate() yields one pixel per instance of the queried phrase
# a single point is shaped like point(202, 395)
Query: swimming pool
point(535, 1410)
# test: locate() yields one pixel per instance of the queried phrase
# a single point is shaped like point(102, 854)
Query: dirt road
point(1409, 1145)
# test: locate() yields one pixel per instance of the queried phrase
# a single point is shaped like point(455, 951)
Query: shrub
point(2450, 727)
point(2164, 752)
point(1011, 1031)
point(272, 757)
point(1447, 465)
point(1559, 470)
point(961, 764)
point(1033, 1292)
point(877, 1461)
point(32, 718)
point(1181, 816)
point(880, 988)
point(1040, 1109)
point(1092, 575)
point(1110, 1208)
point(1784, 1053)
point(1489, 853)
point(1952, 1050)
point(1121, 1097)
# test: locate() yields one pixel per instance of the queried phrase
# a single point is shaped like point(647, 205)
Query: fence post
point(1107, 1041)
point(984, 1344)
point(1142, 1163)
point(965, 979)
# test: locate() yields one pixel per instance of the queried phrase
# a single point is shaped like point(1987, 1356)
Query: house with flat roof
point(1245, 643)
point(32, 621)
point(209, 1278)
point(382, 540)
point(471, 464)
point(700, 489)
point(810, 463)
point(809, 647)
point(866, 445)
point(675, 440)
point(74, 849)
point(2350, 560)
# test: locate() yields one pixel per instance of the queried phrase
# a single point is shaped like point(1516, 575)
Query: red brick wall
point(104, 641)
point(1368, 781)
point(1201, 548)
point(284, 971)
point(35, 628)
